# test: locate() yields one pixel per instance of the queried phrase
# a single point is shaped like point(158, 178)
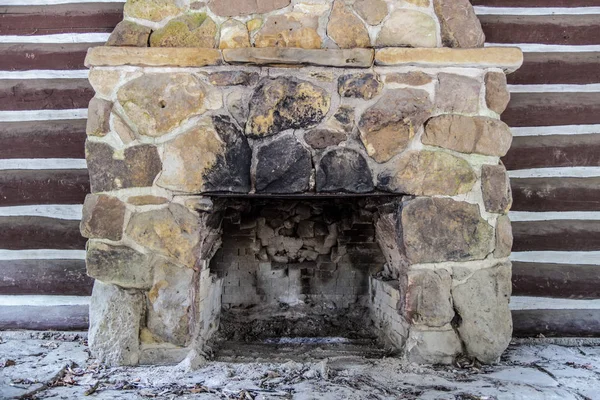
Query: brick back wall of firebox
point(554, 161)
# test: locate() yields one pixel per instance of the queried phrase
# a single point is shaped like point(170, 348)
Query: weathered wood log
point(556, 280)
point(556, 194)
point(557, 235)
point(557, 68)
point(22, 57)
point(529, 323)
point(44, 94)
point(25, 232)
point(536, 3)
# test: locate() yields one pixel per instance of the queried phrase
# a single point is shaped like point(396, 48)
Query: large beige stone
point(481, 135)
point(428, 300)
point(213, 156)
point(190, 30)
point(457, 94)
point(372, 11)
point(103, 217)
point(104, 81)
point(232, 8)
point(115, 316)
point(158, 103)
point(387, 127)
point(495, 186)
point(504, 237)
point(98, 121)
point(118, 265)
point(173, 231)
point(482, 303)
point(408, 28)
point(460, 25)
point(442, 229)
point(427, 173)
point(128, 33)
point(345, 28)
point(289, 30)
point(234, 34)
point(170, 303)
point(497, 95)
point(285, 103)
point(433, 346)
point(153, 10)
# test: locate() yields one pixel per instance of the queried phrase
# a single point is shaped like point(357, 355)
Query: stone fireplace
point(298, 169)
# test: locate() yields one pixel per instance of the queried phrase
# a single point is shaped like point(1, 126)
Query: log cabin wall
point(554, 162)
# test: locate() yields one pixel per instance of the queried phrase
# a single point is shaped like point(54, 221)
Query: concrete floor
point(44, 365)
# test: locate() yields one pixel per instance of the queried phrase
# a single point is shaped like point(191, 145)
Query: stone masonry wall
point(307, 24)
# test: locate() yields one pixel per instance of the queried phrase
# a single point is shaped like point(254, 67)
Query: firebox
point(284, 169)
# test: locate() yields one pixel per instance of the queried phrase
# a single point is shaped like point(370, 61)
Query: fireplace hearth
point(275, 177)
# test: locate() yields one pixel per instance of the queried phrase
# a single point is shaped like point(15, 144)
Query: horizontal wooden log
point(44, 277)
point(43, 139)
point(557, 68)
point(529, 323)
point(28, 56)
point(554, 151)
point(30, 187)
point(536, 3)
point(557, 235)
point(556, 280)
point(44, 94)
point(60, 318)
point(60, 18)
point(543, 29)
point(26, 232)
point(548, 109)
point(556, 194)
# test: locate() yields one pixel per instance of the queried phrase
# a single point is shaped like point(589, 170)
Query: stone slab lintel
point(507, 58)
point(350, 58)
point(152, 57)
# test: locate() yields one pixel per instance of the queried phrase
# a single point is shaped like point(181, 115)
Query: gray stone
point(497, 95)
point(118, 265)
point(170, 303)
point(481, 135)
point(98, 117)
point(427, 173)
point(128, 33)
point(412, 78)
point(433, 347)
point(103, 217)
point(457, 94)
point(387, 233)
point(441, 229)
point(138, 168)
point(322, 138)
point(158, 103)
point(460, 26)
point(115, 316)
point(504, 237)
point(482, 303)
point(387, 127)
point(428, 298)
point(283, 166)
point(344, 170)
point(232, 8)
point(497, 193)
point(372, 11)
point(408, 28)
point(285, 103)
point(362, 86)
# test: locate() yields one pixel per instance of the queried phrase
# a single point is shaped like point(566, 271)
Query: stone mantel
point(509, 59)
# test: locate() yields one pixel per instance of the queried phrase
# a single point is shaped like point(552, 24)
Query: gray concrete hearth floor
point(54, 365)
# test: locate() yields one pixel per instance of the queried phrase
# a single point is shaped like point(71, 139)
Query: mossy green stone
point(152, 10)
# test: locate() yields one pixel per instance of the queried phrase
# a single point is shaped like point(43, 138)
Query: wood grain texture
point(30, 187)
point(556, 194)
point(44, 277)
point(546, 109)
point(44, 94)
point(542, 29)
point(22, 57)
point(536, 3)
point(60, 18)
point(554, 151)
point(558, 235)
point(528, 323)
point(557, 68)
point(26, 232)
point(60, 318)
point(556, 280)
point(43, 139)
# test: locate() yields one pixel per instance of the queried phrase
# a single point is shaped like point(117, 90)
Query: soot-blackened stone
point(283, 166)
point(362, 86)
point(231, 171)
point(285, 103)
point(344, 170)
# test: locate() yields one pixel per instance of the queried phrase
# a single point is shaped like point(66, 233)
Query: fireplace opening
point(298, 273)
